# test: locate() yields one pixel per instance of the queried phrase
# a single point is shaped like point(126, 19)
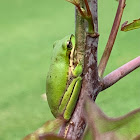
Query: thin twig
point(89, 17)
point(112, 38)
point(121, 72)
point(87, 7)
point(79, 8)
point(77, 4)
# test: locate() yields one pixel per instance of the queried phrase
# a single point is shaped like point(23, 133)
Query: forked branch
point(74, 129)
point(86, 14)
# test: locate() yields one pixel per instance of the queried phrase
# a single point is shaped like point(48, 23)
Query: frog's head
point(64, 47)
point(69, 44)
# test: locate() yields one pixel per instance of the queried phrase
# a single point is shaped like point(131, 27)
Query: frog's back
point(57, 79)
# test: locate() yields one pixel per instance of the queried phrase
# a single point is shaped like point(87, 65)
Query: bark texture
point(74, 129)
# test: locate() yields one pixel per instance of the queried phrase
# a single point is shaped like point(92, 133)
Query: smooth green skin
point(62, 101)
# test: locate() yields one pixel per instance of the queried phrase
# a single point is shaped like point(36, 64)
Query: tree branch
point(90, 87)
point(121, 72)
point(90, 84)
point(79, 34)
point(80, 48)
point(112, 37)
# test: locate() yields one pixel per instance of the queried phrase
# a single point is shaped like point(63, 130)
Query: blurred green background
point(28, 29)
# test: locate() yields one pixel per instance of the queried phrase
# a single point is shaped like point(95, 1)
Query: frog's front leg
point(69, 100)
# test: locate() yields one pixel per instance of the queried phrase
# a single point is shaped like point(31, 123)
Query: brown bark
point(90, 86)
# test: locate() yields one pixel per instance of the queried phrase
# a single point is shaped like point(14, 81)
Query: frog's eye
point(69, 45)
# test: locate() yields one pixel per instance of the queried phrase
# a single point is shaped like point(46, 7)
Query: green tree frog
point(63, 80)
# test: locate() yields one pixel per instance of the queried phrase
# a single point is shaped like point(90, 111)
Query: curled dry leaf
point(48, 127)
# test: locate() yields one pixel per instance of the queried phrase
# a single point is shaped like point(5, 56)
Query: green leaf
point(131, 26)
point(49, 126)
point(123, 128)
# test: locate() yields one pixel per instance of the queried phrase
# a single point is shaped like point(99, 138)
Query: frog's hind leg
point(73, 99)
point(67, 95)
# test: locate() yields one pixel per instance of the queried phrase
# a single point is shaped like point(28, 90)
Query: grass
point(28, 30)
